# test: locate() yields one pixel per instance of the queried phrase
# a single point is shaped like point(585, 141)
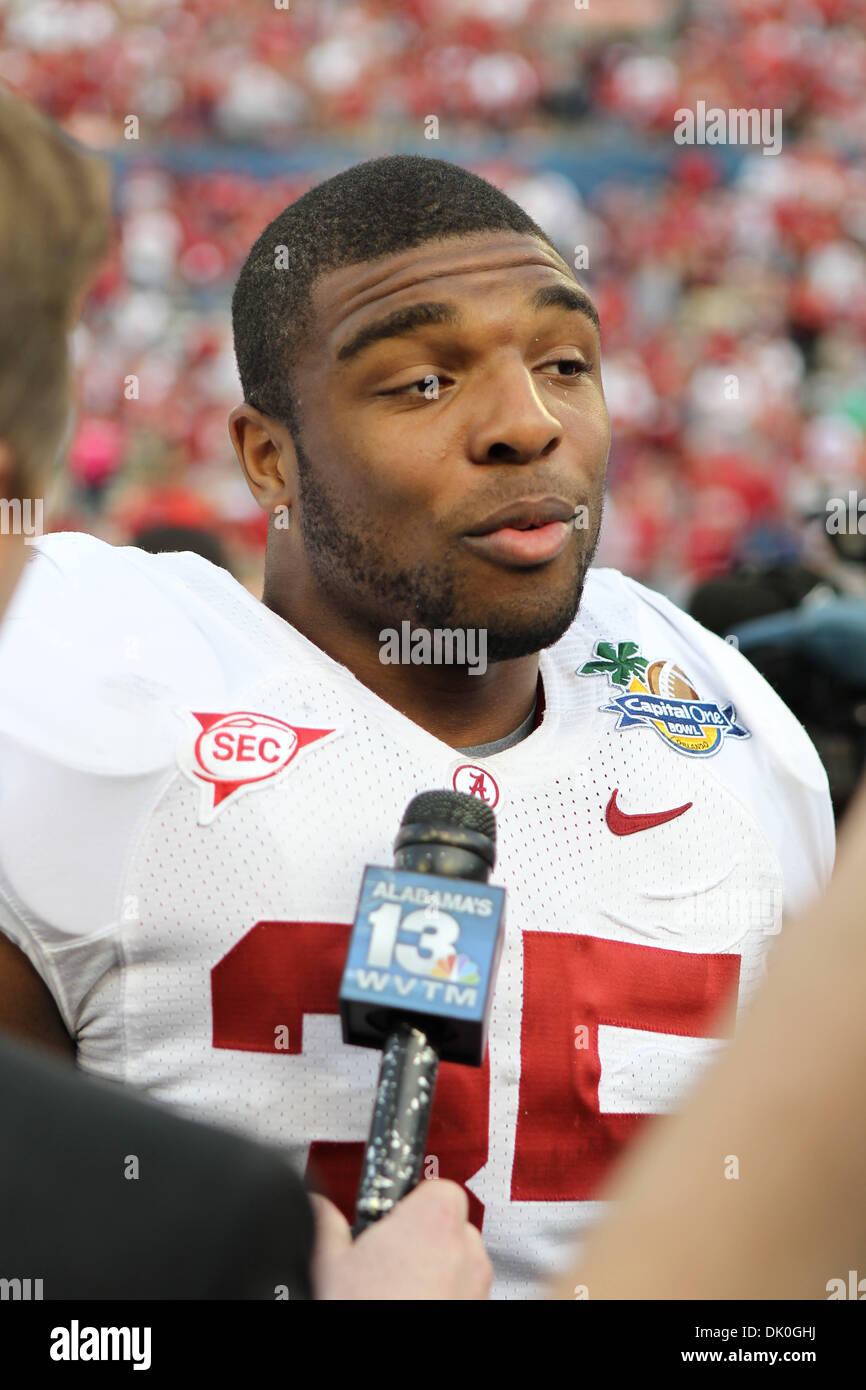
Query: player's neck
point(463, 705)
point(462, 710)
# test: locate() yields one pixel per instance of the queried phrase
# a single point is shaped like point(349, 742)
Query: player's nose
point(511, 423)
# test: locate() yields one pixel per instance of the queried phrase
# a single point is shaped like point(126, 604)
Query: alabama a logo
point(661, 695)
point(227, 755)
point(475, 781)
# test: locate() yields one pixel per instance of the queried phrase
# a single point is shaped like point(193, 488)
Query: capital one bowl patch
point(659, 694)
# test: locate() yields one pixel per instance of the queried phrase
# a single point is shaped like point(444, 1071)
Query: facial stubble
point(356, 574)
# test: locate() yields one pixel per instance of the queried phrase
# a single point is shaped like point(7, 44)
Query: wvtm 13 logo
point(434, 964)
point(855, 1287)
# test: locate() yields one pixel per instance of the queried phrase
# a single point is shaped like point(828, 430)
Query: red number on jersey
point(565, 1143)
point(280, 971)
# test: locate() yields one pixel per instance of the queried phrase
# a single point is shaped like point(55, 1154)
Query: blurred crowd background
point(731, 284)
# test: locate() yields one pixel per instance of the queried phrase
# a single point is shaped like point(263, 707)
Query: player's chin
point(522, 627)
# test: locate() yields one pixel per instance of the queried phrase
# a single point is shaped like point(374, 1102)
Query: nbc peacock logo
point(456, 968)
point(660, 695)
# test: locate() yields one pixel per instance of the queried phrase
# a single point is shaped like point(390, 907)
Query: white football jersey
point(189, 793)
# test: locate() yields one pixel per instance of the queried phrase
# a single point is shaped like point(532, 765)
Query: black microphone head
point(452, 808)
point(440, 820)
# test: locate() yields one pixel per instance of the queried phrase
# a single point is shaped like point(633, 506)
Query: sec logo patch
point(229, 754)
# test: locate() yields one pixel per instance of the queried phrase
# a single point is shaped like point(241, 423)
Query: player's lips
point(524, 533)
point(509, 546)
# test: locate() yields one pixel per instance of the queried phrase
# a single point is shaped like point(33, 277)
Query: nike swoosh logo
point(623, 824)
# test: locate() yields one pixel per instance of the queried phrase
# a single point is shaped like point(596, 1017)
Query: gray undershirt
point(486, 750)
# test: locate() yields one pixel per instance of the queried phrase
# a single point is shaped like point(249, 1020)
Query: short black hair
point(377, 208)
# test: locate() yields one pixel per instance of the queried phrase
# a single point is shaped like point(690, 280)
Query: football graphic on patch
point(664, 678)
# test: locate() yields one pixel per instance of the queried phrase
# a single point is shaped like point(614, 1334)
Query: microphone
point(419, 978)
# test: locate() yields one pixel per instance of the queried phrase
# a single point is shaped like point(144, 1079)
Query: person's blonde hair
point(55, 227)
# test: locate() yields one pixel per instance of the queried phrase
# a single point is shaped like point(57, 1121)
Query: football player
point(193, 780)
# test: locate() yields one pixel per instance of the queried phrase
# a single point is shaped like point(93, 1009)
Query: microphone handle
point(394, 1155)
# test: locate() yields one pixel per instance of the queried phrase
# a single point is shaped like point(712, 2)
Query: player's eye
point(579, 367)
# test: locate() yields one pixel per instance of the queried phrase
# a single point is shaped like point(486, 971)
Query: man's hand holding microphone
point(424, 1249)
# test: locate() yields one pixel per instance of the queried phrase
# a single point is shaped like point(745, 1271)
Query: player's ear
point(266, 454)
